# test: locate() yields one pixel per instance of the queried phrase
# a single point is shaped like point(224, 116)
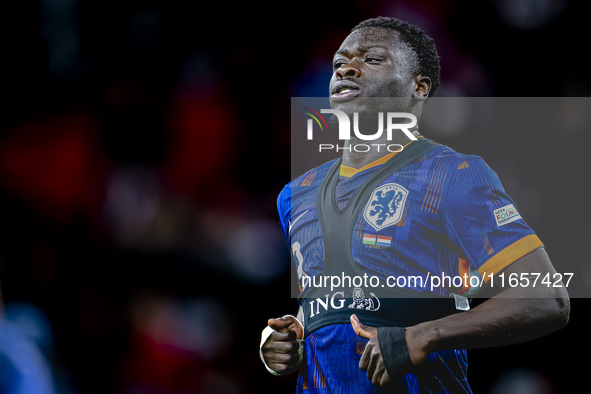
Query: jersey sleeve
point(483, 221)
point(284, 210)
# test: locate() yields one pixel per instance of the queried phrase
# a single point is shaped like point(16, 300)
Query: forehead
point(362, 39)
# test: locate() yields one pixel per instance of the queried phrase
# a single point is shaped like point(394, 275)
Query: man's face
point(372, 63)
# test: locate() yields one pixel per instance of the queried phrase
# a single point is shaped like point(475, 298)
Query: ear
point(422, 87)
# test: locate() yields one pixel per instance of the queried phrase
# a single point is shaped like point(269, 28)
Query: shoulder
point(459, 165)
point(460, 177)
point(445, 153)
point(308, 181)
point(301, 190)
point(444, 162)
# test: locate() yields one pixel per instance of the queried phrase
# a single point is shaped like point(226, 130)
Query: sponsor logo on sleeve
point(506, 215)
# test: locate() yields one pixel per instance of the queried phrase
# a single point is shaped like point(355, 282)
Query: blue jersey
point(445, 215)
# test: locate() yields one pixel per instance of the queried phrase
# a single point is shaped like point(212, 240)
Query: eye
point(373, 60)
point(338, 64)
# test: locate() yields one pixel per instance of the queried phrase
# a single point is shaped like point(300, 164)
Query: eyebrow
point(359, 49)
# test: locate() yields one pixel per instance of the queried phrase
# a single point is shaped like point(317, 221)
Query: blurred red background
point(143, 146)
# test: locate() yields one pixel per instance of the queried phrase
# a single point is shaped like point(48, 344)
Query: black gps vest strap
point(374, 304)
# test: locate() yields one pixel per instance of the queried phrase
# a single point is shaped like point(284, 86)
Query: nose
point(349, 70)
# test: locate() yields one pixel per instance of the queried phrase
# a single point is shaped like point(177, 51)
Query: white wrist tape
point(267, 333)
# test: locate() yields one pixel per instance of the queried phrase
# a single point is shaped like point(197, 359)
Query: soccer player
point(424, 212)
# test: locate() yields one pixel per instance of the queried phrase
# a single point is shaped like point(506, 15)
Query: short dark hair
point(419, 42)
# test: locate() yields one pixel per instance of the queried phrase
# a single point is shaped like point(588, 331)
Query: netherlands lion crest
point(360, 302)
point(385, 206)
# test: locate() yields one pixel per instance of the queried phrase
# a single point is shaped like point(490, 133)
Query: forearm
point(515, 315)
point(496, 322)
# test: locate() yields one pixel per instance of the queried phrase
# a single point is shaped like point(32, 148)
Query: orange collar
point(348, 172)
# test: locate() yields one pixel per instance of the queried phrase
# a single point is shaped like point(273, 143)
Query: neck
point(378, 148)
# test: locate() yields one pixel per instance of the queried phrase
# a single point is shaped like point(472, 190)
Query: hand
point(371, 361)
point(281, 349)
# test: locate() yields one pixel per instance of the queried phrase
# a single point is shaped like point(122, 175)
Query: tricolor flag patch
point(384, 241)
point(369, 239)
point(379, 240)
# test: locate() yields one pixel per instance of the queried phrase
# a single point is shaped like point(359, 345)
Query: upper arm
point(284, 210)
point(535, 277)
point(483, 222)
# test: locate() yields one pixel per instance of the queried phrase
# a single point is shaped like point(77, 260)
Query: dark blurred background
point(142, 148)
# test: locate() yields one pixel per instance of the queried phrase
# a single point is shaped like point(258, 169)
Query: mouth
point(343, 91)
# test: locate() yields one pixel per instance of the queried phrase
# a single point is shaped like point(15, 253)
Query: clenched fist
point(280, 351)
